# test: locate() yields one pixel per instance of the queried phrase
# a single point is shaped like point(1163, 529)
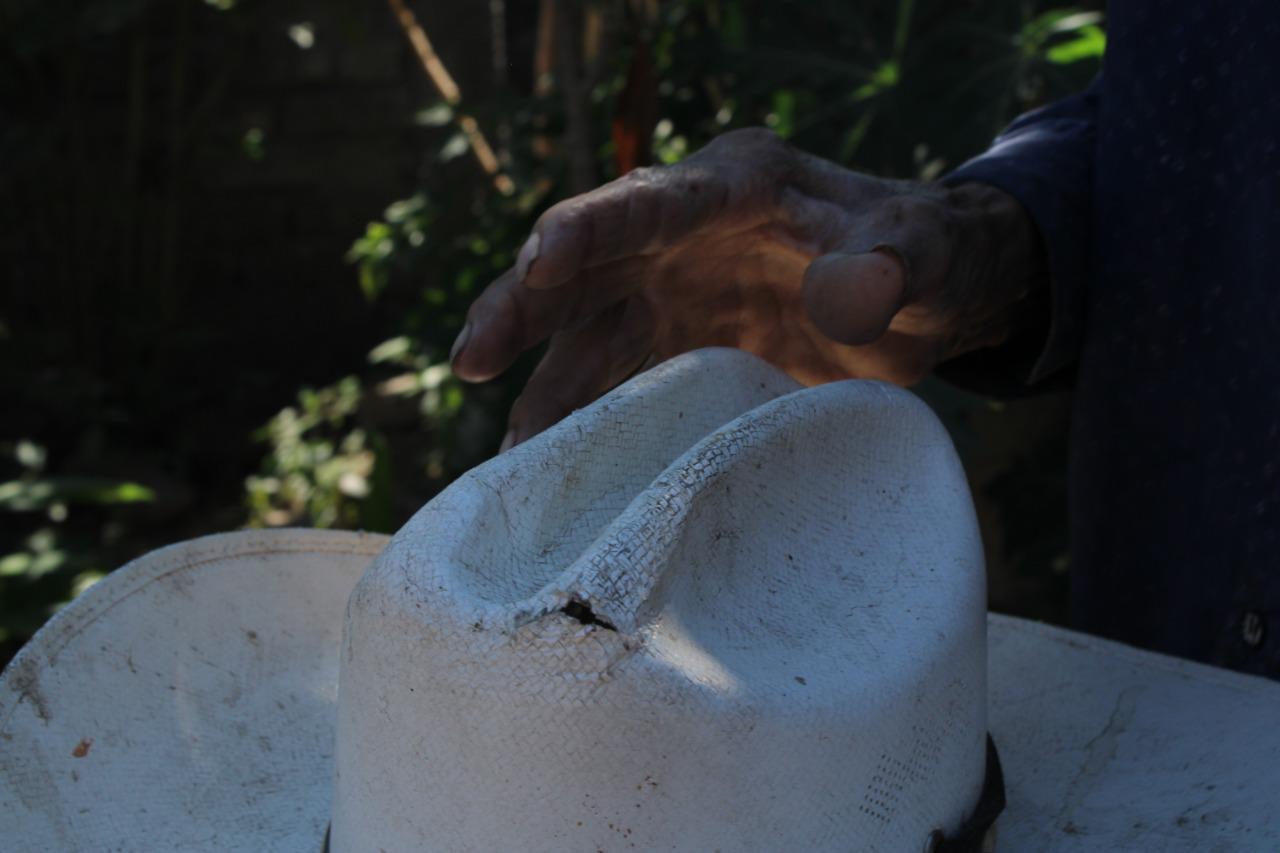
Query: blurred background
point(239, 236)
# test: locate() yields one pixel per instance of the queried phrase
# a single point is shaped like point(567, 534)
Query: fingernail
point(508, 441)
point(461, 342)
point(528, 254)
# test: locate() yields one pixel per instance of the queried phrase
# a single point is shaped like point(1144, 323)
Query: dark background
point(238, 237)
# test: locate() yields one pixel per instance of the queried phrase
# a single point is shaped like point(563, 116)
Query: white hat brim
point(187, 702)
point(1110, 748)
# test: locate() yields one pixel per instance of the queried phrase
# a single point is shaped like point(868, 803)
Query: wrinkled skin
point(826, 273)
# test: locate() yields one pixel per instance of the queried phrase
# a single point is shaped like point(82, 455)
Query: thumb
point(852, 298)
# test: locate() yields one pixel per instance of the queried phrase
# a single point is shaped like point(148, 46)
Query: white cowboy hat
point(704, 613)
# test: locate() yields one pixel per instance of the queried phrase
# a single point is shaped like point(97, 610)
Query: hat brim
point(186, 702)
point(1106, 747)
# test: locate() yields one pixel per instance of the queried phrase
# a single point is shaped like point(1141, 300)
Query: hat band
point(971, 836)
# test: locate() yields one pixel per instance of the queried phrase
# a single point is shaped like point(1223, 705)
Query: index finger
point(509, 318)
point(633, 215)
point(732, 183)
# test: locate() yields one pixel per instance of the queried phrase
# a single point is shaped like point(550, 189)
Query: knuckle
point(928, 218)
point(555, 214)
point(749, 137)
point(645, 175)
point(916, 218)
point(756, 148)
point(898, 210)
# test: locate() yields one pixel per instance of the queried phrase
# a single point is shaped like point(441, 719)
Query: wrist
point(1000, 282)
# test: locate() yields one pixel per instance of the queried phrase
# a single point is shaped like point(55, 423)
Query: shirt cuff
point(1046, 163)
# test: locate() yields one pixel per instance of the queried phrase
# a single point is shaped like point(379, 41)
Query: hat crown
point(707, 610)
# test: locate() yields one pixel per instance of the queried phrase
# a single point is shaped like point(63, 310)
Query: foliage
point(50, 561)
point(330, 464)
point(87, 240)
point(330, 481)
point(903, 88)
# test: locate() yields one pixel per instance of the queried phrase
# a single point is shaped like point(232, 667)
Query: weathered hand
point(749, 243)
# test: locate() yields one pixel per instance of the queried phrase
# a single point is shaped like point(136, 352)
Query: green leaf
point(33, 565)
point(373, 279)
point(400, 211)
point(1091, 43)
point(435, 116)
point(30, 455)
point(394, 350)
point(1037, 32)
point(882, 79)
point(454, 148)
point(783, 116)
point(12, 565)
point(28, 495)
point(1075, 21)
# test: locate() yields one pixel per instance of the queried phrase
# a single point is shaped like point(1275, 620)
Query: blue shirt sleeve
point(1045, 159)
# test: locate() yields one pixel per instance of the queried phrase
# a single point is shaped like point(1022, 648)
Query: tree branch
point(452, 95)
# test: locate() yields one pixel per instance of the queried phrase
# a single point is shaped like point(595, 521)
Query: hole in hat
point(581, 610)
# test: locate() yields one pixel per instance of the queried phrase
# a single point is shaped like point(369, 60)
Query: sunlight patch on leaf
point(28, 495)
point(30, 455)
point(882, 79)
point(434, 116)
point(1091, 43)
point(454, 148)
point(83, 581)
point(303, 34)
point(394, 350)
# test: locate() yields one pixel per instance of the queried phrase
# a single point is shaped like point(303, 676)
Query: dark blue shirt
point(1157, 194)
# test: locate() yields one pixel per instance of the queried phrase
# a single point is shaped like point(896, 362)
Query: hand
point(749, 243)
